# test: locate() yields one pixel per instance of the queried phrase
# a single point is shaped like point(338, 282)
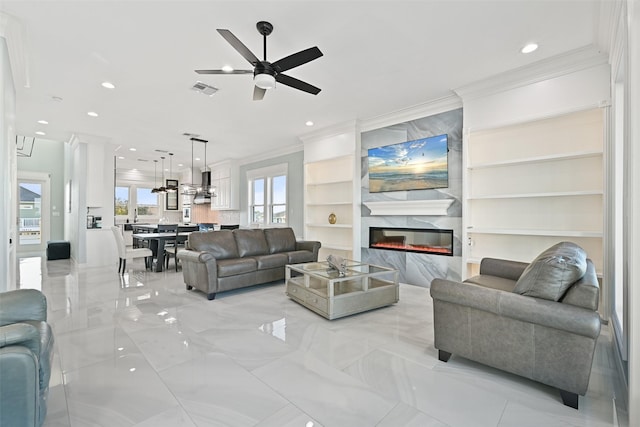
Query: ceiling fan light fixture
point(265, 81)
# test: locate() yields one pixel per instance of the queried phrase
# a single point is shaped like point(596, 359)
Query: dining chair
point(125, 253)
point(171, 251)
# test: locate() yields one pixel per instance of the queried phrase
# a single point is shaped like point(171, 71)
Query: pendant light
point(162, 188)
point(190, 188)
point(155, 177)
point(204, 186)
point(171, 188)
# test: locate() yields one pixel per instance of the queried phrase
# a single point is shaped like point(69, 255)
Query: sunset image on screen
point(413, 165)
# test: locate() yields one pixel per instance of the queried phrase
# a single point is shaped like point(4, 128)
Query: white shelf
point(534, 195)
point(319, 225)
point(538, 159)
point(529, 232)
point(330, 204)
point(330, 188)
point(316, 184)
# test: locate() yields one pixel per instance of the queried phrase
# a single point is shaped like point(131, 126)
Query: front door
point(33, 213)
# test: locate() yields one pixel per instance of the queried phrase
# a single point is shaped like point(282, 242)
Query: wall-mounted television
point(421, 164)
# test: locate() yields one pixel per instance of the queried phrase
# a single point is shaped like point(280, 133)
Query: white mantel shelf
point(409, 207)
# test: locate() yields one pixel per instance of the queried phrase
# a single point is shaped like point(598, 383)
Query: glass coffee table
point(321, 289)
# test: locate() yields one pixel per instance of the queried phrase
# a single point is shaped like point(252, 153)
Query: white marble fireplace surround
point(440, 208)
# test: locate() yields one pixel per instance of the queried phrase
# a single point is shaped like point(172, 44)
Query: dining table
point(157, 242)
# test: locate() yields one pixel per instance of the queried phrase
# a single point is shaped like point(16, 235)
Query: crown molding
point(13, 32)
point(569, 62)
point(440, 105)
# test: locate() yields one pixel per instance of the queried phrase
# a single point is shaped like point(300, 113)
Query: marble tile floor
point(141, 350)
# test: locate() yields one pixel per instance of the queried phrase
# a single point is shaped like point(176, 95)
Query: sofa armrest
point(20, 334)
point(538, 311)
point(504, 268)
point(190, 255)
point(309, 245)
point(22, 304)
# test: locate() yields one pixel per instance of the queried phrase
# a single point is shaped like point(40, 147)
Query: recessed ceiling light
point(121, 157)
point(227, 68)
point(92, 114)
point(529, 48)
point(40, 133)
point(43, 122)
point(197, 158)
point(108, 85)
point(180, 164)
point(132, 149)
point(309, 123)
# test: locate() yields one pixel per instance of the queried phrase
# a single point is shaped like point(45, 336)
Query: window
point(268, 195)
point(279, 199)
point(122, 201)
point(133, 202)
point(147, 202)
point(257, 203)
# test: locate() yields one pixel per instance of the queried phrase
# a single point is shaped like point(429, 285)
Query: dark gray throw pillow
point(553, 272)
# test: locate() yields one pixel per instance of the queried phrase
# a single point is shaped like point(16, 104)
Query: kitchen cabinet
point(224, 178)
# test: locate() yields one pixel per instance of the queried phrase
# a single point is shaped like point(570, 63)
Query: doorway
point(33, 212)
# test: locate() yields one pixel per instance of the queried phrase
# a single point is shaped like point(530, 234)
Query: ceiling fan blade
point(239, 46)
point(224, 72)
point(258, 93)
point(297, 59)
point(297, 84)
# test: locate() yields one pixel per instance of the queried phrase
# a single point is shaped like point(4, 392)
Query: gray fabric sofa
point(26, 352)
point(536, 320)
point(217, 261)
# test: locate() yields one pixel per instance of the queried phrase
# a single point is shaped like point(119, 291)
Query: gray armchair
point(540, 331)
point(26, 351)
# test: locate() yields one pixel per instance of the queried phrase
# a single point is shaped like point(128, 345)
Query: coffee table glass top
point(354, 269)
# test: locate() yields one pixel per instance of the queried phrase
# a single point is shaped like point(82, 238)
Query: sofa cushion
point(298, 257)
point(251, 242)
point(271, 261)
point(231, 267)
point(221, 244)
point(280, 240)
point(553, 272)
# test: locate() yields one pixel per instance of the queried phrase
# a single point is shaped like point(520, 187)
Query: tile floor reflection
point(141, 350)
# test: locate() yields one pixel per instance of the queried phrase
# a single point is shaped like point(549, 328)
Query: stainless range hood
point(203, 197)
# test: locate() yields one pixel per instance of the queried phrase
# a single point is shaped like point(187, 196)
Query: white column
point(8, 178)
point(634, 214)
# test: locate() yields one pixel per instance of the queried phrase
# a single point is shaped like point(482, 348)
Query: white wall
point(8, 176)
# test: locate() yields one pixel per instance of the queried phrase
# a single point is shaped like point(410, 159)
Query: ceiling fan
point(265, 73)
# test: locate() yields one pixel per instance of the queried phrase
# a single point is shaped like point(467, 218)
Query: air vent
point(204, 88)
point(190, 135)
point(161, 151)
point(143, 160)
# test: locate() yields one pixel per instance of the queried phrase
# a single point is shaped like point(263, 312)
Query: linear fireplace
point(426, 241)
